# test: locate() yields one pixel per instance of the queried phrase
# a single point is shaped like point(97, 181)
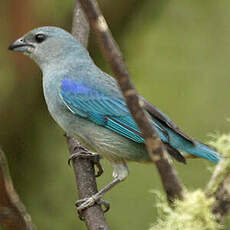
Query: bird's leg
point(81, 152)
point(120, 173)
point(96, 198)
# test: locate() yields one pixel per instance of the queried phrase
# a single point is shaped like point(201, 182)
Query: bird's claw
point(89, 202)
point(79, 154)
point(85, 154)
point(96, 161)
point(105, 203)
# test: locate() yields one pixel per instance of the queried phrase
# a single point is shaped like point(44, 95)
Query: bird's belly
point(98, 139)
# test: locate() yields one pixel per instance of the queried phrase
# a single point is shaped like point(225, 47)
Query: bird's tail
point(204, 151)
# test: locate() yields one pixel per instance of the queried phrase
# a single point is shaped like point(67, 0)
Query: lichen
point(222, 144)
point(193, 213)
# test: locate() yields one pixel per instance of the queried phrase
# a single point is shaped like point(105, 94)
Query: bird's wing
point(110, 112)
point(163, 119)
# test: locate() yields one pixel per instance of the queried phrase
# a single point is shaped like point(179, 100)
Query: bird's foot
point(83, 153)
point(89, 202)
point(96, 161)
point(79, 154)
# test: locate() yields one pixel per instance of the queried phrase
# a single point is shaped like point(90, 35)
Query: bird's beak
point(20, 45)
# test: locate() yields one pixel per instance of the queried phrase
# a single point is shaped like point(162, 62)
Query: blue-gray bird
point(87, 103)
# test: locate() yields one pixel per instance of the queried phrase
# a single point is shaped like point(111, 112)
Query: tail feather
point(204, 151)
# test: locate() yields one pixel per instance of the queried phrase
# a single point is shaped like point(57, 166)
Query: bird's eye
point(40, 38)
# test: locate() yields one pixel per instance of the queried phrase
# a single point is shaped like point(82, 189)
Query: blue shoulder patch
point(71, 86)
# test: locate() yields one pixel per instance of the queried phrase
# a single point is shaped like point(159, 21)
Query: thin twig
point(170, 181)
point(84, 168)
point(13, 214)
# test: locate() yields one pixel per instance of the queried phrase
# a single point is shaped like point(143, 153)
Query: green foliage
point(191, 214)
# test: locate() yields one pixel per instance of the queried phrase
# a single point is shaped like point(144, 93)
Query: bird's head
point(48, 45)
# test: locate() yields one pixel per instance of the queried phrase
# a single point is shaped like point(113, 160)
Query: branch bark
point(13, 214)
point(84, 168)
point(86, 184)
point(219, 187)
point(170, 181)
point(221, 206)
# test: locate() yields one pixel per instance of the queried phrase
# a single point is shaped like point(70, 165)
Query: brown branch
point(84, 168)
point(80, 25)
point(221, 206)
point(86, 184)
point(219, 187)
point(169, 178)
point(13, 214)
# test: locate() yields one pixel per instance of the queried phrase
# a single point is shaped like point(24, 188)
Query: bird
point(87, 103)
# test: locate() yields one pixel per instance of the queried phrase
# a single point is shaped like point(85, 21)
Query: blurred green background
point(178, 54)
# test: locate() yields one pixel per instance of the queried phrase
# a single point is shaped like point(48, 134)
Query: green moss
point(191, 214)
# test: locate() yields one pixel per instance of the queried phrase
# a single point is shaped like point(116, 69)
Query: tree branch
point(86, 184)
point(170, 181)
point(84, 168)
point(80, 25)
point(219, 187)
point(13, 214)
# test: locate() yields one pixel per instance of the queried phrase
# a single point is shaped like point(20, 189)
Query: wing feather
point(109, 112)
point(163, 119)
